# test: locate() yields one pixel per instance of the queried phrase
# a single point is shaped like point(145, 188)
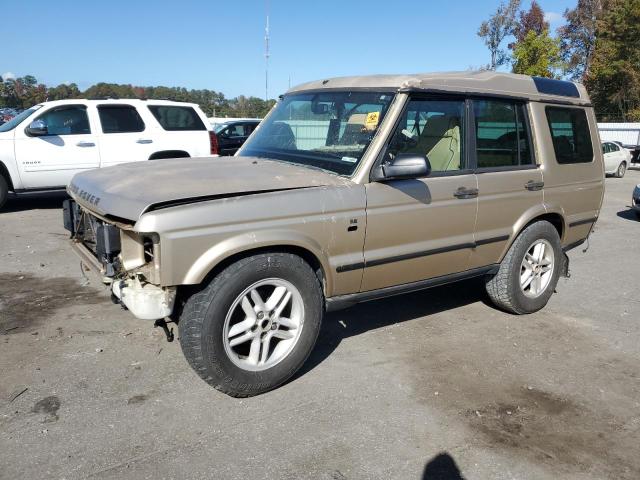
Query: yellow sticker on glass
point(372, 120)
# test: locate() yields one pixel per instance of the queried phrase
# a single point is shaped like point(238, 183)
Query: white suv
point(46, 145)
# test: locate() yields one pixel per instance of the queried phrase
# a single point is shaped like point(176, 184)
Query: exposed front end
point(126, 260)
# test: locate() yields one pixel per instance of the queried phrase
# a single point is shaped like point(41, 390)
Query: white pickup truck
point(42, 148)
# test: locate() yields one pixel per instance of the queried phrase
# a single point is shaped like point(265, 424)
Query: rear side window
point(501, 134)
point(177, 118)
point(120, 119)
point(570, 133)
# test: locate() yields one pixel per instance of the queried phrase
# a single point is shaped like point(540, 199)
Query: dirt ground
point(432, 385)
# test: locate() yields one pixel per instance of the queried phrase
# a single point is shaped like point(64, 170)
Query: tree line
point(598, 45)
point(24, 92)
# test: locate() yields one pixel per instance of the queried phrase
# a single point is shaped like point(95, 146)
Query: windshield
point(15, 121)
point(329, 130)
point(219, 127)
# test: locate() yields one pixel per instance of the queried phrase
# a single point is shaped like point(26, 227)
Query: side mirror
point(404, 165)
point(37, 128)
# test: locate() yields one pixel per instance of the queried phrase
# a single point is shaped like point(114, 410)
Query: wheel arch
point(301, 252)
point(217, 258)
point(169, 154)
point(553, 217)
point(4, 172)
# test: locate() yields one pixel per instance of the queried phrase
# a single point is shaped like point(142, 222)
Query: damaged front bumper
point(119, 257)
point(144, 300)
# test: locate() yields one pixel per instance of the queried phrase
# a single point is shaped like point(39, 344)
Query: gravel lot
point(434, 385)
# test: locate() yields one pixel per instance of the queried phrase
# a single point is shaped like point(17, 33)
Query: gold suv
point(352, 189)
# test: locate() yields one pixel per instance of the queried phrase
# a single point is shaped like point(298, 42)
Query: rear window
point(570, 134)
point(177, 118)
point(120, 119)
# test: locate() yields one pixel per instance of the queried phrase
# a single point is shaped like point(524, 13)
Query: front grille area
point(100, 238)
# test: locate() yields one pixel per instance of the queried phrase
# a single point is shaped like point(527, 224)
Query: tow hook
point(167, 331)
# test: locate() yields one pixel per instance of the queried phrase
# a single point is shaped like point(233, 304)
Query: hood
point(127, 191)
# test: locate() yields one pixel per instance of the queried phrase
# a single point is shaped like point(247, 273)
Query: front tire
point(4, 191)
point(529, 272)
point(254, 325)
point(622, 169)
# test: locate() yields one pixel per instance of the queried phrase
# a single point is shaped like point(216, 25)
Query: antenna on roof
point(266, 56)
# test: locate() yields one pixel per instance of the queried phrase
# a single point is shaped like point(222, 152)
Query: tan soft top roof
point(481, 82)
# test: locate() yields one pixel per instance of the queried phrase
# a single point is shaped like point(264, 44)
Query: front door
point(509, 181)
point(69, 147)
point(423, 228)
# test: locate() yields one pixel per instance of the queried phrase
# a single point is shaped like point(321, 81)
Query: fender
point(250, 241)
point(8, 164)
point(536, 211)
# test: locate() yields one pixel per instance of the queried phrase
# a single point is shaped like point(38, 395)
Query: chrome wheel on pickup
point(254, 325)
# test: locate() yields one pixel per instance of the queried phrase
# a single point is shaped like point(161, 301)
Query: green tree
point(613, 78)
point(531, 20)
point(578, 37)
point(499, 26)
point(538, 55)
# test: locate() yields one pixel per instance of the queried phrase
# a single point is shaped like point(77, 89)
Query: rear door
point(232, 138)
point(610, 160)
point(510, 182)
point(69, 147)
point(123, 136)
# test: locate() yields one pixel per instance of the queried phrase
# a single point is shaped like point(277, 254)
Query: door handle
point(463, 192)
point(144, 140)
point(86, 144)
point(534, 186)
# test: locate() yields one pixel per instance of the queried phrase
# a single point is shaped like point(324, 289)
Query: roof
point(469, 82)
point(116, 101)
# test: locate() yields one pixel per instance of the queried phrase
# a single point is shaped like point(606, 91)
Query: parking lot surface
point(434, 385)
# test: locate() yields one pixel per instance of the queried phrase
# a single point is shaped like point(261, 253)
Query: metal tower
point(266, 57)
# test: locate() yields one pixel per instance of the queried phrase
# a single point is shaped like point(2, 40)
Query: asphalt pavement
point(431, 385)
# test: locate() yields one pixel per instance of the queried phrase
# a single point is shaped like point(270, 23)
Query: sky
point(220, 45)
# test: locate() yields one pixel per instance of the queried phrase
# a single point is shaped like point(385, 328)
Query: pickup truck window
point(15, 121)
point(68, 120)
point(329, 130)
point(120, 119)
point(177, 118)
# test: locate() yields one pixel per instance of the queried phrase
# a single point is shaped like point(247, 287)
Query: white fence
point(626, 133)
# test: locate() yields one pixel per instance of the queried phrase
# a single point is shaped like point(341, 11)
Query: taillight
point(213, 141)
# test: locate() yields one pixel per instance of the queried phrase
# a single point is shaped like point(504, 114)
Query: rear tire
point(527, 277)
point(274, 295)
point(4, 191)
point(622, 169)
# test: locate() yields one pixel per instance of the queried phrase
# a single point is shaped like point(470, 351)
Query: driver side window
point(68, 120)
point(434, 128)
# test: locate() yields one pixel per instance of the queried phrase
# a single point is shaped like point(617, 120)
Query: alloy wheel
point(263, 324)
point(536, 269)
